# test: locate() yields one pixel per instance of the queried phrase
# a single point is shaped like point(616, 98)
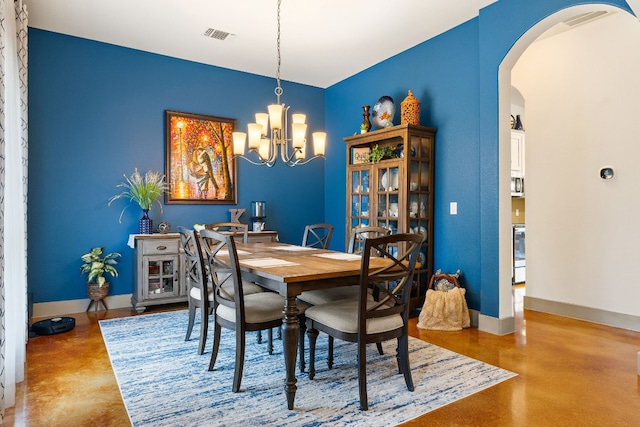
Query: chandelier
point(269, 134)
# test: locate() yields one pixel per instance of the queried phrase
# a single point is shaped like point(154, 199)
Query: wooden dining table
point(290, 270)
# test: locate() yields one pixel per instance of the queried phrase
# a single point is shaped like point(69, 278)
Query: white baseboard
point(595, 315)
point(496, 326)
point(58, 308)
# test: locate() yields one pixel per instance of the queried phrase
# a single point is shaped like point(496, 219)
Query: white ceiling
point(322, 42)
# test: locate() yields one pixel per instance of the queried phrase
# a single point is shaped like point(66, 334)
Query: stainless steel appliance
point(519, 262)
point(258, 215)
point(517, 186)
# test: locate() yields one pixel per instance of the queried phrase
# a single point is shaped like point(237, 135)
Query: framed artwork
point(199, 159)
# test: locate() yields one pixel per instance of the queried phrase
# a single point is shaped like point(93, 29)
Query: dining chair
point(356, 242)
point(317, 236)
point(235, 229)
point(359, 234)
point(236, 310)
point(239, 230)
point(196, 285)
point(372, 320)
point(356, 245)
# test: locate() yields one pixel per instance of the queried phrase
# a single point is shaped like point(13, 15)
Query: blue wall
point(445, 82)
point(96, 111)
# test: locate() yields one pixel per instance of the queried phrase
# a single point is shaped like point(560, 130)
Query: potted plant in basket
point(145, 190)
point(96, 265)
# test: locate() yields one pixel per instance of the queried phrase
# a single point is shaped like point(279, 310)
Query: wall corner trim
point(493, 325)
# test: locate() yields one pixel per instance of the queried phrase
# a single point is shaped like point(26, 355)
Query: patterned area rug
point(164, 382)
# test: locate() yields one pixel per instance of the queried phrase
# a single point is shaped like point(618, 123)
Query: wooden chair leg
point(237, 374)
point(379, 345)
point(362, 375)
point(204, 328)
point(259, 337)
point(270, 343)
point(192, 316)
point(216, 346)
point(403, 346)
point(330, 354)
point(313, 335)
point(303, 327)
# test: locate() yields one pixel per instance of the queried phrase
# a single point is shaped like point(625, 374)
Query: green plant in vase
point(95, 266)
point(145, 190)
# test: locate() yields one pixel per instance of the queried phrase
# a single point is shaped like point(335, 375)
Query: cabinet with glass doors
point(395, 193)
point(158, 276)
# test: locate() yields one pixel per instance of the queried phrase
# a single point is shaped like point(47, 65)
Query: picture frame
point(199, 168)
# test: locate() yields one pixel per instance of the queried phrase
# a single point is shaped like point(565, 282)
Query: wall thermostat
point(606, 172)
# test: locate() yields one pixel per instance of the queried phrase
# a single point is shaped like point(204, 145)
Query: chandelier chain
point(278, 90)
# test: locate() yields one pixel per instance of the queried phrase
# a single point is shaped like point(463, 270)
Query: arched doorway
point(504, 85)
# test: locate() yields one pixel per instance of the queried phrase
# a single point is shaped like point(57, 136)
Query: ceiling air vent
point(574, 22)
point(218, 34)
point(584, 17)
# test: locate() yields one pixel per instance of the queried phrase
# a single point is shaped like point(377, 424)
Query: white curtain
point(13, 199)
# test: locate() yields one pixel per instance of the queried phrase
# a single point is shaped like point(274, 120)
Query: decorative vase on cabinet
point(397, 193)
point(366, 123)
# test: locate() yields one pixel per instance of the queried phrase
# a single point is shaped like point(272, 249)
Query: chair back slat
point(221, 260)
point(360, 234)
point(194, 268)
point(392, 283)
point(235, 229)
point(317, 236)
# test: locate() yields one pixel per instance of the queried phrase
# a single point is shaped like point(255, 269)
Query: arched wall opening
point(504, 322)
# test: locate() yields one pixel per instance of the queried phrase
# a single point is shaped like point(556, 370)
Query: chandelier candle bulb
point(239, 139)
point(299, 132)
point(275, 116)
point(300, 154)
point(263, 120)
point(298, 118)
point(255, 133)
point(263, 149)
point(319, 141)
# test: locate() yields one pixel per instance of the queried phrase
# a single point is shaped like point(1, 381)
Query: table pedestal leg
point(290, 332)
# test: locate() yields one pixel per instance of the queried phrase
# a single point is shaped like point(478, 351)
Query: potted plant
point(378, 153)
point(96, 265)
point(145, 190)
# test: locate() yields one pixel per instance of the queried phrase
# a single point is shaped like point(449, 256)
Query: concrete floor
point(570, 373)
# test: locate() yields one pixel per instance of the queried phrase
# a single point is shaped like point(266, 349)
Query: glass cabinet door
point(387, 203)
point(360, 200)
point(162, 277)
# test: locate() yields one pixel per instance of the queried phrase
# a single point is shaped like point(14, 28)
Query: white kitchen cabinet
point(517, 153)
